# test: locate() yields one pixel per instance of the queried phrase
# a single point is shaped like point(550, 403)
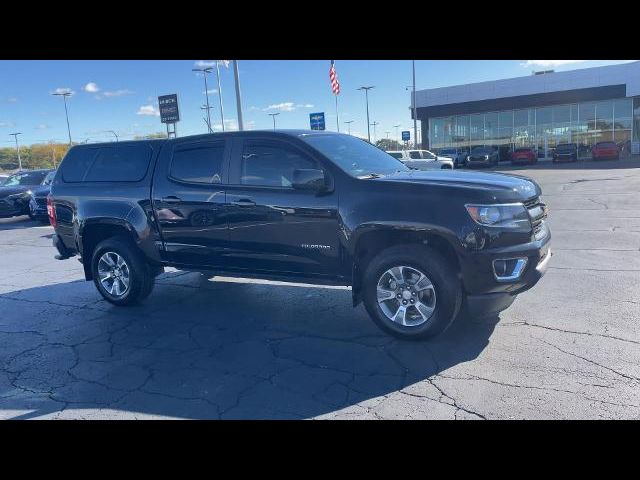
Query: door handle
point(171, 199)
point(244, 202)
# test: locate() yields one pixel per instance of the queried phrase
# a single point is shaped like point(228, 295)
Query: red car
point(524, 155)
point(605, 150)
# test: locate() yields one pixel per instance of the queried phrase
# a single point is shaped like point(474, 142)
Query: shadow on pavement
point(210, 349)
point(13, 223)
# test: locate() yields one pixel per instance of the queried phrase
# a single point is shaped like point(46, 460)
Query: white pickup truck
point(422, 159)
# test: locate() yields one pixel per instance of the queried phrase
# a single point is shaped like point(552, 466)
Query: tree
point(388, 144)
point(151, 136)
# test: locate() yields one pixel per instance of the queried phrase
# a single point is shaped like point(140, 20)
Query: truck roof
point(277, 132)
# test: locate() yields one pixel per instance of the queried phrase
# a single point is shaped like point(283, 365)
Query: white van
point(421, 159)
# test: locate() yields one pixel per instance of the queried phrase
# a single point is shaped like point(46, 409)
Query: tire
point(138, 271)
point(443, 299)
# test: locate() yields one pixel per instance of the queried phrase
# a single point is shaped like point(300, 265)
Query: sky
point(122, 95)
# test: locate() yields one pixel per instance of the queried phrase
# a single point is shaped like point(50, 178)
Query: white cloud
point(7, 124)
point(211, 91)
point(205, 63)
point(549, 63)
point(61, 90)
point(117, 93)
point(150, 110)
point(91, 87)
point(304, 105)
point(283, 107)
point(42, 126)
point(12, 100)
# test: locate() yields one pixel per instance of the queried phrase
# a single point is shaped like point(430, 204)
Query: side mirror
point(308, 179)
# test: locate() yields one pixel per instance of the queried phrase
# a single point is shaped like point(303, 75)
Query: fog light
point(509, 269)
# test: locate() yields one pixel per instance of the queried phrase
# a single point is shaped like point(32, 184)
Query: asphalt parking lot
point(569, 348)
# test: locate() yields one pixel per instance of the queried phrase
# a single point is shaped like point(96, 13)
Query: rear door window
point(120, 164)
point(76, 163)
point(198, 162)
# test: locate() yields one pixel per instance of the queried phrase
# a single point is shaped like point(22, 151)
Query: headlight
point(512, 215)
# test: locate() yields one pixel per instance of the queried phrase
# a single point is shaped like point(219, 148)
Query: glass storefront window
point(543, 115)
point(544, 127)
point(623, 108)
point(561, 114)
point(506, 119)
point(476, 130)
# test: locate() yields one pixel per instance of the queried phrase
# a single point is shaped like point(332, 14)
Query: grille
point(537, 213)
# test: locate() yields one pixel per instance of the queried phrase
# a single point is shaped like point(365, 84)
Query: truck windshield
point(356, 157)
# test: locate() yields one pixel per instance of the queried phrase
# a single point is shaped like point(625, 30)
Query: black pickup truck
point(311, 207)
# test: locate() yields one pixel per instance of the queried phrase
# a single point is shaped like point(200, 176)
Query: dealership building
point(541, 110)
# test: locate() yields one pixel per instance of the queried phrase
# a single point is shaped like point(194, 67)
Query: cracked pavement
point(247, 349)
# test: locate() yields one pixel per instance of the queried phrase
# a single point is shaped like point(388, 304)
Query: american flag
point(333, 76)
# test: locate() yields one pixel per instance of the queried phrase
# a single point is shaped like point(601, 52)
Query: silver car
point(422, 159)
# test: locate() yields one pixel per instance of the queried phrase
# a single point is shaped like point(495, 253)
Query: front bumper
point(13, 207)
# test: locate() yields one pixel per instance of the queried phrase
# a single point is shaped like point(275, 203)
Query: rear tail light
point(51, 211)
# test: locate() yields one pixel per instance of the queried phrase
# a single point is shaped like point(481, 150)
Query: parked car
point(482, 157)
point(38, 200)
point(422, 159)
point(301, 206)
point(15, 193)
point(458, 155)
point(565, 152)
point(605, 151)
point(524, 155)
point(3, 178)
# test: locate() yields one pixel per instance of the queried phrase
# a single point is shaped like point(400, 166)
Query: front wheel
point(411, 292)
point(120, 273)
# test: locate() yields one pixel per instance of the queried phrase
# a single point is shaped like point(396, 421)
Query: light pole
point(366, 94)
point(349, 122)
point(415, 110)
point(273, 115)
point(15, 135)
point(375, 137)
point(397, 136)
point(220, 93)
point(236, 75)
point(204, 71)
point(116, 135)
point(64, 96)
point(387, 132)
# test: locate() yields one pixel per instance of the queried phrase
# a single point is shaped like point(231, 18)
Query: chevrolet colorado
point(311, 207)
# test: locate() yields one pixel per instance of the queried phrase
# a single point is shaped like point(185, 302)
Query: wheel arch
point(374, 240)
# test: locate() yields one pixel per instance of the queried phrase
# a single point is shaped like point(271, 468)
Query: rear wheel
point(120, 273)
point(411, 292)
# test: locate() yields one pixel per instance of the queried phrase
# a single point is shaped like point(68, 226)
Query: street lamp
point(349, 122)
point(15, 135)
point(207, 120)
point(366, 94)
point(397, 136)
point(116, 135)
point(273, 115)
point(64, 96)
point(204, 71)
point(387, 132)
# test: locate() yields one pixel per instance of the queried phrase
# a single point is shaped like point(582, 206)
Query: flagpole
point(337, 119)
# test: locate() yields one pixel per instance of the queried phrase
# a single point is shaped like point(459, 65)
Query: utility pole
point(15, 136)
point(349, 122)
point(397, 135)
point(64, 95)
point(387, 132)
point(415, 111)
point(207, 120)
point(236, 75)
point(273, 115)
point(375, 137)
point(204, 71)
point(116, 135)
point(366, 94)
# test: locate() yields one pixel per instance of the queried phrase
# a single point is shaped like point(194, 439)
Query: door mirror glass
point(308, 179)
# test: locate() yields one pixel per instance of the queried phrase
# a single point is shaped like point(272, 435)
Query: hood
point(6, 191)
point(503, 186)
